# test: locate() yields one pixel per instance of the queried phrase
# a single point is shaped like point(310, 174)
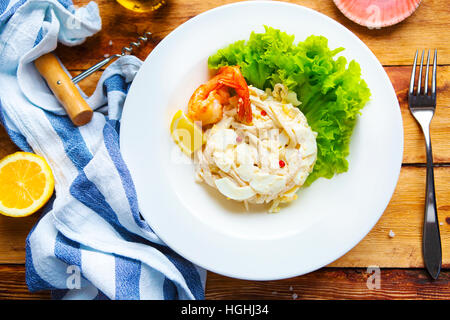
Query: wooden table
point(400, 257)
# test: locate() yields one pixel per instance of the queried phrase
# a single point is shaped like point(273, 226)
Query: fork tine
point(413, 74)
point(419, 82)
point(433, 79)
point(425, 85)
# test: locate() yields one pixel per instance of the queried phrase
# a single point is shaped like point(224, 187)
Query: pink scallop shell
point(377, 13)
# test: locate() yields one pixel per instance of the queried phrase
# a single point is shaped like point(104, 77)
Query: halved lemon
point(26, 184)
point(186, 134)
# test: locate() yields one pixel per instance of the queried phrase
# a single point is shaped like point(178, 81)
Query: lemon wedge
point(186, 134)
point(26, 184)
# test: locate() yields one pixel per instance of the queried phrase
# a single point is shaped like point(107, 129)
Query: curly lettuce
point(332, 92)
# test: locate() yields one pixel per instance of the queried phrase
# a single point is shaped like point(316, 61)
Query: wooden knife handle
point(65, 91)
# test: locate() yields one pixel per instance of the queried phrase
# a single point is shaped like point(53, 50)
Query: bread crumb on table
point(391, 234)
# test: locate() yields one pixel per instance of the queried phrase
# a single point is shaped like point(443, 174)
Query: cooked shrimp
point(206, 104)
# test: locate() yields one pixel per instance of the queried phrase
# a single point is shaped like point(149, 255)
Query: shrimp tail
point(232, 77)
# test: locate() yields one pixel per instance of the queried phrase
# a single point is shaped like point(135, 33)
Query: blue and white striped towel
point(92, 237)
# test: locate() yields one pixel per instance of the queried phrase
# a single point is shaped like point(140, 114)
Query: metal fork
point(422, 105)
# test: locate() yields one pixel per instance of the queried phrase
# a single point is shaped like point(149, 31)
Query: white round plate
point(328, 219)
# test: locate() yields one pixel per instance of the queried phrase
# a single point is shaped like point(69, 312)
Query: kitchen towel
point(91, 243)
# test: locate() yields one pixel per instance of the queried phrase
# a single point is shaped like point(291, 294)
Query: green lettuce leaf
point(332, 92)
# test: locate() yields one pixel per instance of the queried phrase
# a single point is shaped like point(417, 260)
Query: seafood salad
point(278, 115)
point(258, 147)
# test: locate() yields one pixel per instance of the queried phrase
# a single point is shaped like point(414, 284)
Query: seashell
point(377, 13)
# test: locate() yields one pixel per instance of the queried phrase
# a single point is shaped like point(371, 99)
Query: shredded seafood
point(265, 161)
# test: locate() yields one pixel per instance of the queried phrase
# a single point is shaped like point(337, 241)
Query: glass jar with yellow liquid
point(142, 5)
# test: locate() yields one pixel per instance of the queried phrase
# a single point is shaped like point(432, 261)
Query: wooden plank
point(13, 233)
point(327, 283)
point(13, 286)
point(335, 284)
point(404, 216)
point(6, 145)
point(414, 144)
point(393, 45)
point(89, 84)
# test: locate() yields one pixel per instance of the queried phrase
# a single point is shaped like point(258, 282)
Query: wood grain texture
point(327, 283)
point(13, 286)
point(6, 145)
point(13, 233)
point(336, 284)
point(414, 144)
point(393, 45)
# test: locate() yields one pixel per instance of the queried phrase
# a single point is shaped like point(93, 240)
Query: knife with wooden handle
point(64, 89)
